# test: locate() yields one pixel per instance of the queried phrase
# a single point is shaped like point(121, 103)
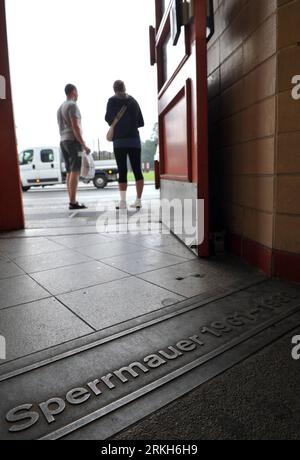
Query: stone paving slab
point(143, 261)
point(3, 258)
point(80, 241)
point(157, 241)
point(118, 301)
point(76, 277)
point(48, 232)
point(46, 215)
point(28, 246)
point(9, 269)
point(110, 249)
point(50, 261)
point(60, 224)
point(35, 326)
point(20, 290)
point(178, 250)
point(196, 277)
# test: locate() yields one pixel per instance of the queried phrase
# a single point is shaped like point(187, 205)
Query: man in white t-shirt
point(72, 144)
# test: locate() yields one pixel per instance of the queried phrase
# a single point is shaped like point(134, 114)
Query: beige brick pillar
point(287, 187)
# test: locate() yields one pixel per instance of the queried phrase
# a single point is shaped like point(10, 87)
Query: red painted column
point(11, 205)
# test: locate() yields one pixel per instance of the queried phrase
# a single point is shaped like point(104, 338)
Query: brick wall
point(253, 169)
point(287, 186)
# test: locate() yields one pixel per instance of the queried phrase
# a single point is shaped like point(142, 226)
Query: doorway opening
point(91, 45)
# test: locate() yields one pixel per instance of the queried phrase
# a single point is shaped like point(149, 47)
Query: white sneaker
point(121, 205)
point(137, 204)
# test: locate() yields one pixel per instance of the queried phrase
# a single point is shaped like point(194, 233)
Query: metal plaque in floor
point(105, 387)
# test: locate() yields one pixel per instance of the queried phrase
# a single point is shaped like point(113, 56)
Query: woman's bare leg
point(123, 191)
point(139, 189)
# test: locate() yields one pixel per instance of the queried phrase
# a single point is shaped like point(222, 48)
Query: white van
point(44, 166)
point(41, 166)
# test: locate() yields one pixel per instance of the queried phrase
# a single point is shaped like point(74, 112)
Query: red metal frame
point(185, 92)
point(188, 81)
point(202, 119)
point(11, 206)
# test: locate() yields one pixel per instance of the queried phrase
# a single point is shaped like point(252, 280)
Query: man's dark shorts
point(71, 151)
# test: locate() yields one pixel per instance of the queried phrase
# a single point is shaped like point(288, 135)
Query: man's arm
point(77, 133)
point(75, 116)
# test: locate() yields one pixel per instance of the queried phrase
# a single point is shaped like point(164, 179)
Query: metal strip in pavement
point(90, 406)
point(84, 421)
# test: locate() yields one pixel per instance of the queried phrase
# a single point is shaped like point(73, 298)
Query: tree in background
point(154, 136)
point(149, 147)
point(103, 155)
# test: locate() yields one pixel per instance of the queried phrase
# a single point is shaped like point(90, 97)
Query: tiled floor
point(61, 283)
point(49, 261)
point(192, 278)
point(39, 325)
point(144, 261)
point(80, 241)
point(9, 269)
point(110, 249)
point(30, 246)
point(20, 290)
point(76, 277)
point(119, 301)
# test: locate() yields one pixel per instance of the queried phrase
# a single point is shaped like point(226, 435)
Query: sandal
point(75, 206)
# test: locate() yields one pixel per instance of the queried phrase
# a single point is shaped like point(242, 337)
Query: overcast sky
point(89, 43)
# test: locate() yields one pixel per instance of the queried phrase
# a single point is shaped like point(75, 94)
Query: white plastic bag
point(88, 170)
